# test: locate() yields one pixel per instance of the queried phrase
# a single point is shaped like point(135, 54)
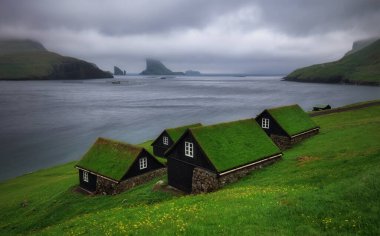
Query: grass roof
point(292, 119)
point(229, 145)
point(176, 133)
point(110, 158)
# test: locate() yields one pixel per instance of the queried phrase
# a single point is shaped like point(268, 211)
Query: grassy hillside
point(26, 60)
point(326, 185)
point(360, 67)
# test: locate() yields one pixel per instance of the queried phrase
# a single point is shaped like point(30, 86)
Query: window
point(166, 140)
point(85, 176)
point(143, 163)
point(265, 123)
point(189, 149)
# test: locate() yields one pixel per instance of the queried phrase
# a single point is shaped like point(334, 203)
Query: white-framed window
point(85, 176)
point(143, 163)
point(189, 149)
point(165, 140)
point(265, 123)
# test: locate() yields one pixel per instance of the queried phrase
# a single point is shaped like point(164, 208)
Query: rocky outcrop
point(117, 71)
point(29, 60)
point(155, 67)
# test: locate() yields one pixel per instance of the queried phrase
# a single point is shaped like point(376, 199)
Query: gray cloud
point(273, 36)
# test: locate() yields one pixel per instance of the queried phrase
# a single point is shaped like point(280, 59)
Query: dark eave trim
point(307, 131)
point(250, 164)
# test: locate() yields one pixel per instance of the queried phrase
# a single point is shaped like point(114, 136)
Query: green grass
point(176, 133)
point(147, 145)
point(232, 144)
point(292, 119)
point(361, 67)
point(110, 158)
point(326, 185)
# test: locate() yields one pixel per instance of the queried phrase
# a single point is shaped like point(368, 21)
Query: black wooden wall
point(91, 184)
point(159, 148)
point(134, 170)
point(274, 127)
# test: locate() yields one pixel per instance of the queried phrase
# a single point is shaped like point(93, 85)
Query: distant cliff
point(29, 60)
point(360, 66)
point(155, 67)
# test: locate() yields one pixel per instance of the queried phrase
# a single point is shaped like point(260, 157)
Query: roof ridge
point(108, 140)
point(222, 123)
point(174, 128)
point(291, 105)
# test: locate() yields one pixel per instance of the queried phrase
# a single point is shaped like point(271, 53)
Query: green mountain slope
point(27, 60)
point(360, 67)
point(326, 185)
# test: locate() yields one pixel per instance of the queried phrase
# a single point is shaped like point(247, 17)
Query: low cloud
point(216, 36)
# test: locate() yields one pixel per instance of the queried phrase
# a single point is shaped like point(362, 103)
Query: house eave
point(250, 164)
point(310, 130)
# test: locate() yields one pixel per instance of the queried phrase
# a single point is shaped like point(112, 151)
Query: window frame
point(189, 149)
point(143, 163)
point(265, 123)
point(165, 140)
point(85, 176)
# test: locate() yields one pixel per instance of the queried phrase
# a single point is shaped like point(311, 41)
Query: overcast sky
point(225, 36)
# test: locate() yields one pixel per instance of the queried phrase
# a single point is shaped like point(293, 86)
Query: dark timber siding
point(153, 164)
point(91, 184)
point(180, 166)
point(274, 127)
point(159, 148)
point(180, 175)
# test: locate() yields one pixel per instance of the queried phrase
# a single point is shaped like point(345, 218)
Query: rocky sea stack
point(29, 60)
point(155, 67)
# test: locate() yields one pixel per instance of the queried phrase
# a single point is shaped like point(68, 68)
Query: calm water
point(45, 123)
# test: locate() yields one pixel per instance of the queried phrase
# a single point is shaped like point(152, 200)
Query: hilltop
point(29, 60)
point(359, 66)
point(326, 185)
point(155, 67)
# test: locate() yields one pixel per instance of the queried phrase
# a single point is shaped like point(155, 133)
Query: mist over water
point(45, 123)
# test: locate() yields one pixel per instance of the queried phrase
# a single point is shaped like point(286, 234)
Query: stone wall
point(205, 181)
point(284, 142)
point(301, 137)
point(107, 187)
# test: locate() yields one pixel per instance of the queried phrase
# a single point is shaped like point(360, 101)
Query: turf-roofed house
point(168, 137)
point(110, 167)
point(206, 158)
point(287, 125)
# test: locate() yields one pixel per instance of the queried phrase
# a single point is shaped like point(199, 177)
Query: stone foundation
point(107, 187)
point(205, 181)
point(284, 142)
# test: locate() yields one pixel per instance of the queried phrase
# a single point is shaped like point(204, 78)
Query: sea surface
point(46, 123)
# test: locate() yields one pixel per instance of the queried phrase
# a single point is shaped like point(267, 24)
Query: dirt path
point(354, 107)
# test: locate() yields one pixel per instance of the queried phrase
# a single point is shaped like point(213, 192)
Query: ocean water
point(45, 123)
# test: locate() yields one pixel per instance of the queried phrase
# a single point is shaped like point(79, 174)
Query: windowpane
point(189, 149)
point(143, 163)
point(166, 140)
point(85, 176)
point(265, 123)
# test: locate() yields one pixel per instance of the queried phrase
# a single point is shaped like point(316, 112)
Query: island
point(359, 66)
point(192, 73)
point(155, 67)
point(30, 60)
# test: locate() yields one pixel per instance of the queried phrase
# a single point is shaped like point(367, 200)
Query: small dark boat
point(162, 77)
point(321, 107)
point(116, 82)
